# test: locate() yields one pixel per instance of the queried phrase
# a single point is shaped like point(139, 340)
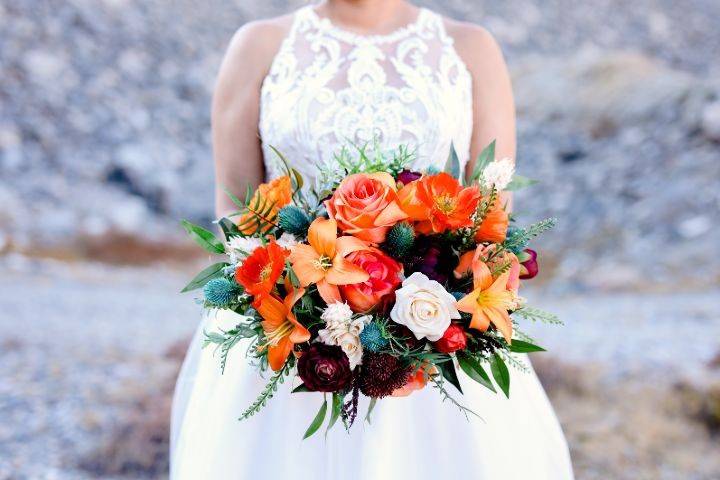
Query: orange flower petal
point(345, 273)
point(390, 215)
point(304, 259)
point(277, 354)
point(482, 278)
point(329, 293)
point(322, 235)
point(346, 245)
point(480, 321)
point(272, 310)
point(468, 303)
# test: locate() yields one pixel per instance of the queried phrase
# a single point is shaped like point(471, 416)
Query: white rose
point(350, 344)
point(424, 306)
point(499, 173)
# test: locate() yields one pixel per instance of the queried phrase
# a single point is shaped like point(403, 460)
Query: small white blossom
point(498, 173)
point(287, 240)
point(337, 312)
point(240, 247)
point(344, 331)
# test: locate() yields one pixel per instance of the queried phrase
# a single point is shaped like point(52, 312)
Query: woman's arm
point(493, 104)
point(236, 107)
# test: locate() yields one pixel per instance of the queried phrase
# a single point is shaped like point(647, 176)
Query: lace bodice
point(328, 86)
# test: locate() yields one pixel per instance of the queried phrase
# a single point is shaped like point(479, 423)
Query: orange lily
point(490, 300)
point(323, 261)
point(449, 204)
point(281, 327)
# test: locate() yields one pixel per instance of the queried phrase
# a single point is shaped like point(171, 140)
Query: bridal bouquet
point(389, 282)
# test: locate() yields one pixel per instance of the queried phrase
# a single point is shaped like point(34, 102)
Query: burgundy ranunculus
point(453, 339)
point(324, 368)
point(528, 264)
point(429, 257)
point(406, 176)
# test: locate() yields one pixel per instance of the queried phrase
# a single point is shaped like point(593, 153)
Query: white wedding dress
point(328, 86)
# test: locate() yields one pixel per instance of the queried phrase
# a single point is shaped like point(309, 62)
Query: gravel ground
point(80, 343)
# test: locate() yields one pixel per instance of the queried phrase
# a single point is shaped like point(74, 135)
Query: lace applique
point(328, 86)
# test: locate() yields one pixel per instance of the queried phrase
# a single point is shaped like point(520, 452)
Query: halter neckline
point(349, 36)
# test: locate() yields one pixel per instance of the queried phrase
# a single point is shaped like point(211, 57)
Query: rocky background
point(104, 144)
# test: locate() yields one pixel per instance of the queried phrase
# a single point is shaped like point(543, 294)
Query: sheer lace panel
point(328, 86)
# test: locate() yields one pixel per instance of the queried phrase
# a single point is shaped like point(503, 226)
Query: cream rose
point(350, 344)
point(424, 306)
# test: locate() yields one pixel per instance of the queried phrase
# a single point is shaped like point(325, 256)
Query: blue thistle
point(515, 238)
point(220, 291)
point(372, 337)
point(432, 170)
point(400, 240)
point(458, 295)
point(293, 220)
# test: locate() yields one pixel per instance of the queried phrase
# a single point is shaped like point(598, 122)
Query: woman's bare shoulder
point(254, 45)
point(475, 45)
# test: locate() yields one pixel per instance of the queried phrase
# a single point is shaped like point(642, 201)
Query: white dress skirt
point(327, 86)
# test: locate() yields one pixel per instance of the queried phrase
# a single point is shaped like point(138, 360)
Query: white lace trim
point(328, 86)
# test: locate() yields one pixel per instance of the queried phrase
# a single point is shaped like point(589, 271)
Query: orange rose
point(365, 205)
point(384, 278)
point(494, 226)
point(277, 193)
point(450, 206)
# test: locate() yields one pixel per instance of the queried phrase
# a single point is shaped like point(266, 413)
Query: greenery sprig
point(269, 391)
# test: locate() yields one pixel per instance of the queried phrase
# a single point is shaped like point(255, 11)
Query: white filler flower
point(287, 240)
point(424, 306)
point(240, 247)
point(343, 330)
point(499, 173)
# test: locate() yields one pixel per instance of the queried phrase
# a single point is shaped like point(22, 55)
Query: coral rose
point(384, 277)
point(277, 193)
point(366, 206)
point(450, 206)
point(453, 339)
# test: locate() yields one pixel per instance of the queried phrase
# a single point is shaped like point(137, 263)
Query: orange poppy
point(281, 328)
point(490, 301)
point(323, 261)
point(450, 206)
point(259, 272)
point(277, 193)
point(494, 226)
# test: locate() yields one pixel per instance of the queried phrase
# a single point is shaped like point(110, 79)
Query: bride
point(306, 83)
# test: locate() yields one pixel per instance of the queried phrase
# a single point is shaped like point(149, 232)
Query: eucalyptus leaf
point(521, 346)
point(483, 160)
point(447, 370)
point(371, 407)
point(500, 373)
point(317, 421)
point(452, 166)
point(337, 404)
point(213, 271)
point(474, 370)
point(519, 181)
point(229, 228)
point(301, 388)
point(203, 237)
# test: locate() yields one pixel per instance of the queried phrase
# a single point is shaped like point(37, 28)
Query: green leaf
point(229, 228)
point(239, 203)
point(483, 160)
point(518, 182)
point(337, 404)
point(371, 407)
point(447, 370)
point(317, 421)
point(521, 346)
point(301, 388)
point(500, 373)
point(452, 166)
point(204, 238)
point(213, 271)
point(474, 370)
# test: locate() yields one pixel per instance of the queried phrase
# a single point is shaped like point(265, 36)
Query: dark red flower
point(324, 368)
point(381, 374)
point(431, 258)
point(406, 176)
point(453, 339)
point(528, 264)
